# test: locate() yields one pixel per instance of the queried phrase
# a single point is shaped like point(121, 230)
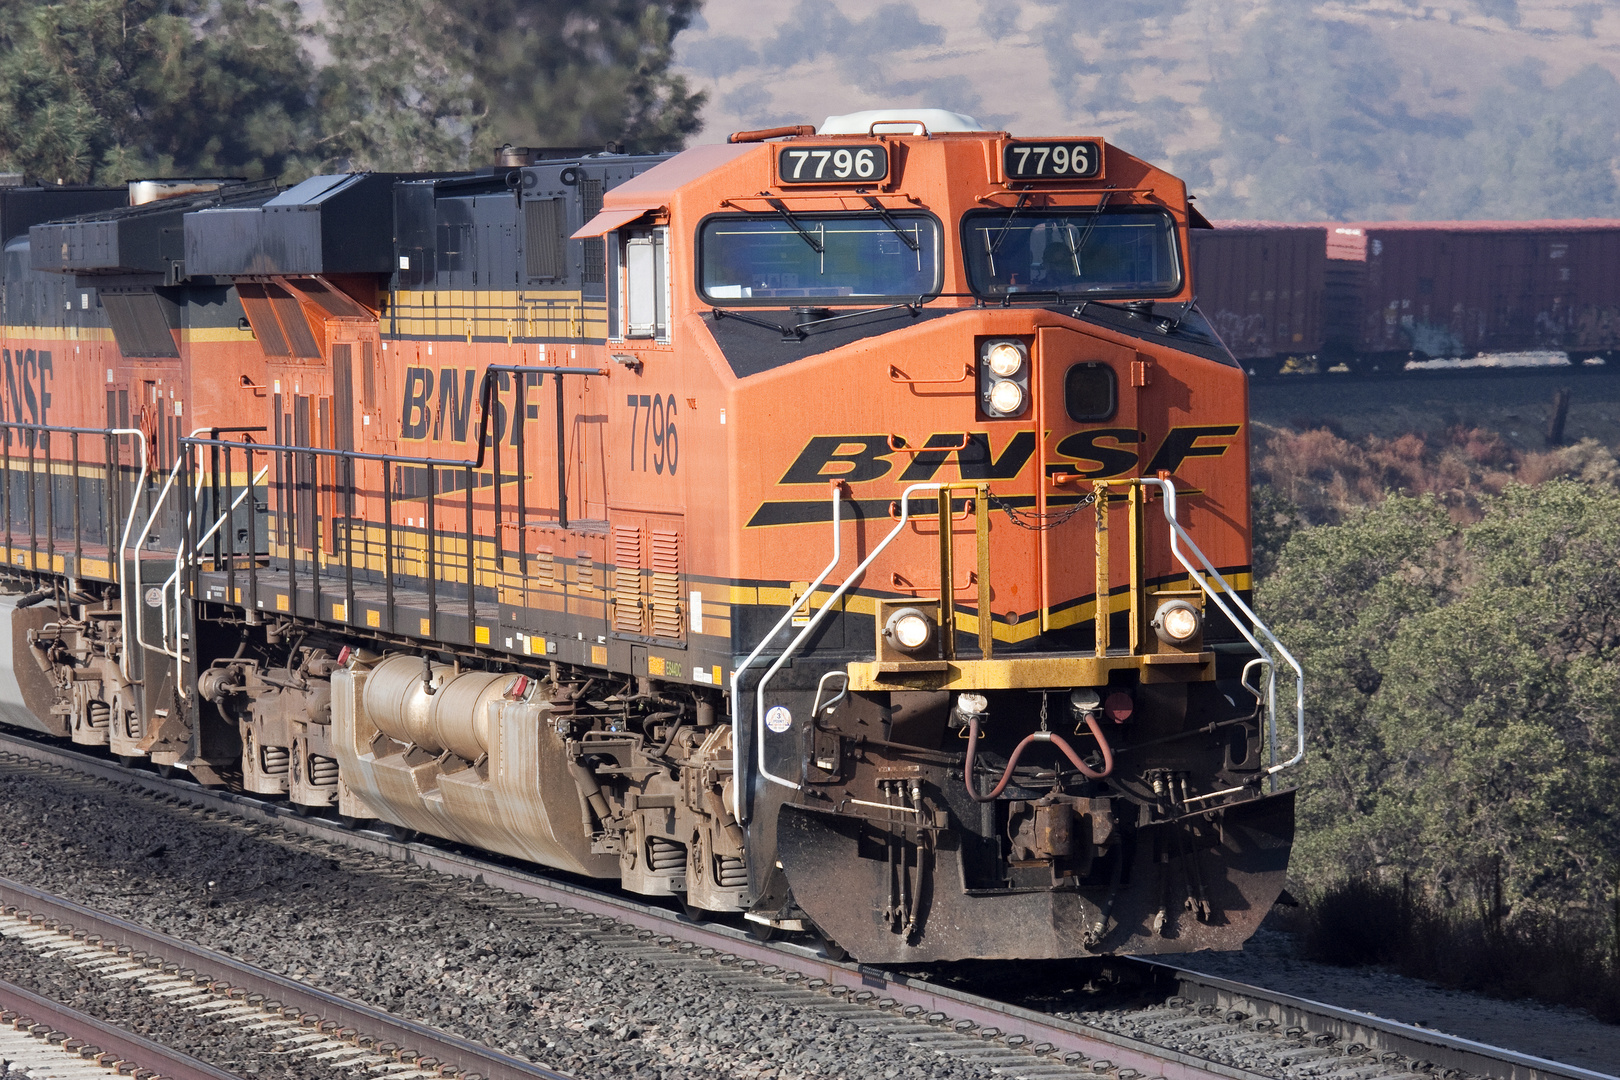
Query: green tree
point(1335, 598)
point(570, 72)
point(108, 89)
point(448, 82)
point(1464, 697)
point(401, 99)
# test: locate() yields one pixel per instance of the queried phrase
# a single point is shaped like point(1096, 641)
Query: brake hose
point(1034, 736)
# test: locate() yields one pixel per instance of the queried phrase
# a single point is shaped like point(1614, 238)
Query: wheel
point(352, 823)
point(165, 771)
point(830, 948)
point(761, 931)
point(399, 832)
point(129, 761)
point(695, 914)
point(306, 811)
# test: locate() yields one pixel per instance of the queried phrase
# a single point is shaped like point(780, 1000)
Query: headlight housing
point(1004, 368)
point(1177, 622)
point(909, 630)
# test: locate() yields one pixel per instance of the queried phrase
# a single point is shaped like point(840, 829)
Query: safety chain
point(1035, 521)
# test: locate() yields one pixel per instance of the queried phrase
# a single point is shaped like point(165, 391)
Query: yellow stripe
point(462, 313)
point(55, 333)
point(216, 335)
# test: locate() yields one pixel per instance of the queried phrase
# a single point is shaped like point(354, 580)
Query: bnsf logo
point(450, 418)
point(23, 370)
point(1091, 455)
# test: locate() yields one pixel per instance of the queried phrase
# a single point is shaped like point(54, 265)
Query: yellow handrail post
point(981, 529)
point(1100, 488)
point(947, 579)
point(1138, 614)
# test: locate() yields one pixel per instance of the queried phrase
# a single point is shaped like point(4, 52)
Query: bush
point(1559, 959)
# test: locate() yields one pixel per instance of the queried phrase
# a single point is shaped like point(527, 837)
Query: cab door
point(1088, 408)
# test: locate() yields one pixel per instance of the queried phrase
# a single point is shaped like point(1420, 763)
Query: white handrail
point(157, 508)
point(737, 777)
point(163, 590)
point(1178, 533)
point(123, 544)
point(815, 620)
point(174, 579)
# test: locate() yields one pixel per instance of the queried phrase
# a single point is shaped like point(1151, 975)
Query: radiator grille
point(667, 621)
point(629, 605)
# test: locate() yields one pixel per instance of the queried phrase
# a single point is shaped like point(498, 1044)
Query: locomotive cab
point(977, 362)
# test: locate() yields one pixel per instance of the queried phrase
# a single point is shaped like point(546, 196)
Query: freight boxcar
point(1424, 290)
point(1260, 284)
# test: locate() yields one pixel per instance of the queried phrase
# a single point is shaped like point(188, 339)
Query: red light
point(343, 656)
point(1119, 707)
point(517, 687)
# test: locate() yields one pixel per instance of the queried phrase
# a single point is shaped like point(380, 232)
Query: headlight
point(972, 704)
point(1176, 622)
point(1006, 397)
point(909, 629)
point(1005, 358)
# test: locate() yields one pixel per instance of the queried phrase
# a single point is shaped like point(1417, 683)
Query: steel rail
point(1123, 1051)
point(1483, 372)
point(117, 1050)
point(1373, 1032)
point(465, 1055)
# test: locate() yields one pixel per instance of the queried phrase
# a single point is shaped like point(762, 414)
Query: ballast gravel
point(430, 948)
point(123, 1006)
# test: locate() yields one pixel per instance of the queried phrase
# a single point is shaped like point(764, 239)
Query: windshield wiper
point(793, 222)
point(894, 226)
point(995, 245)
point(1091, 225)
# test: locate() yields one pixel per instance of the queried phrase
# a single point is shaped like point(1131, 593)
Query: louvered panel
point(628, 605)
point(545, 568)
point(666, 585)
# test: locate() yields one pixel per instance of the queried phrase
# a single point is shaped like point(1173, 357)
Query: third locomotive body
point(844, 529)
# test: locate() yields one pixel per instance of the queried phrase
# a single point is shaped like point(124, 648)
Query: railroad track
point(220, 988)
point(50, 1041)
point(1196, 1026)
point(1578, 372)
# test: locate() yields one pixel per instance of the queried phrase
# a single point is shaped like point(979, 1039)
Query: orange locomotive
point(730, 523)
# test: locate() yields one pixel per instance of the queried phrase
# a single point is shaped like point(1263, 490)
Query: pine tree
point(108, 89)
point(434, 84)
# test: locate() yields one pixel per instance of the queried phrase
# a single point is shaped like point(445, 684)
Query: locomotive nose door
point(1087, 408)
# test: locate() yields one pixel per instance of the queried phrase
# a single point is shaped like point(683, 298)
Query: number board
point(1053, 159)
point(861, 163)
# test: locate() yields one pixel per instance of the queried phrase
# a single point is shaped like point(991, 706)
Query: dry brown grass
point(1325, 474)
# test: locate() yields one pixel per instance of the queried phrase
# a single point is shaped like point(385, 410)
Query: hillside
point(1271, 109)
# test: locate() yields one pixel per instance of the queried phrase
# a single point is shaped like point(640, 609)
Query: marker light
point(1006, 397)
point(1176, 622)
point(909, 629)
point(972, 704)
point(1005, 358)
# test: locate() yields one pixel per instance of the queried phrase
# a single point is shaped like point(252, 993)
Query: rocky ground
point(421, 945)
point(462, 957)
